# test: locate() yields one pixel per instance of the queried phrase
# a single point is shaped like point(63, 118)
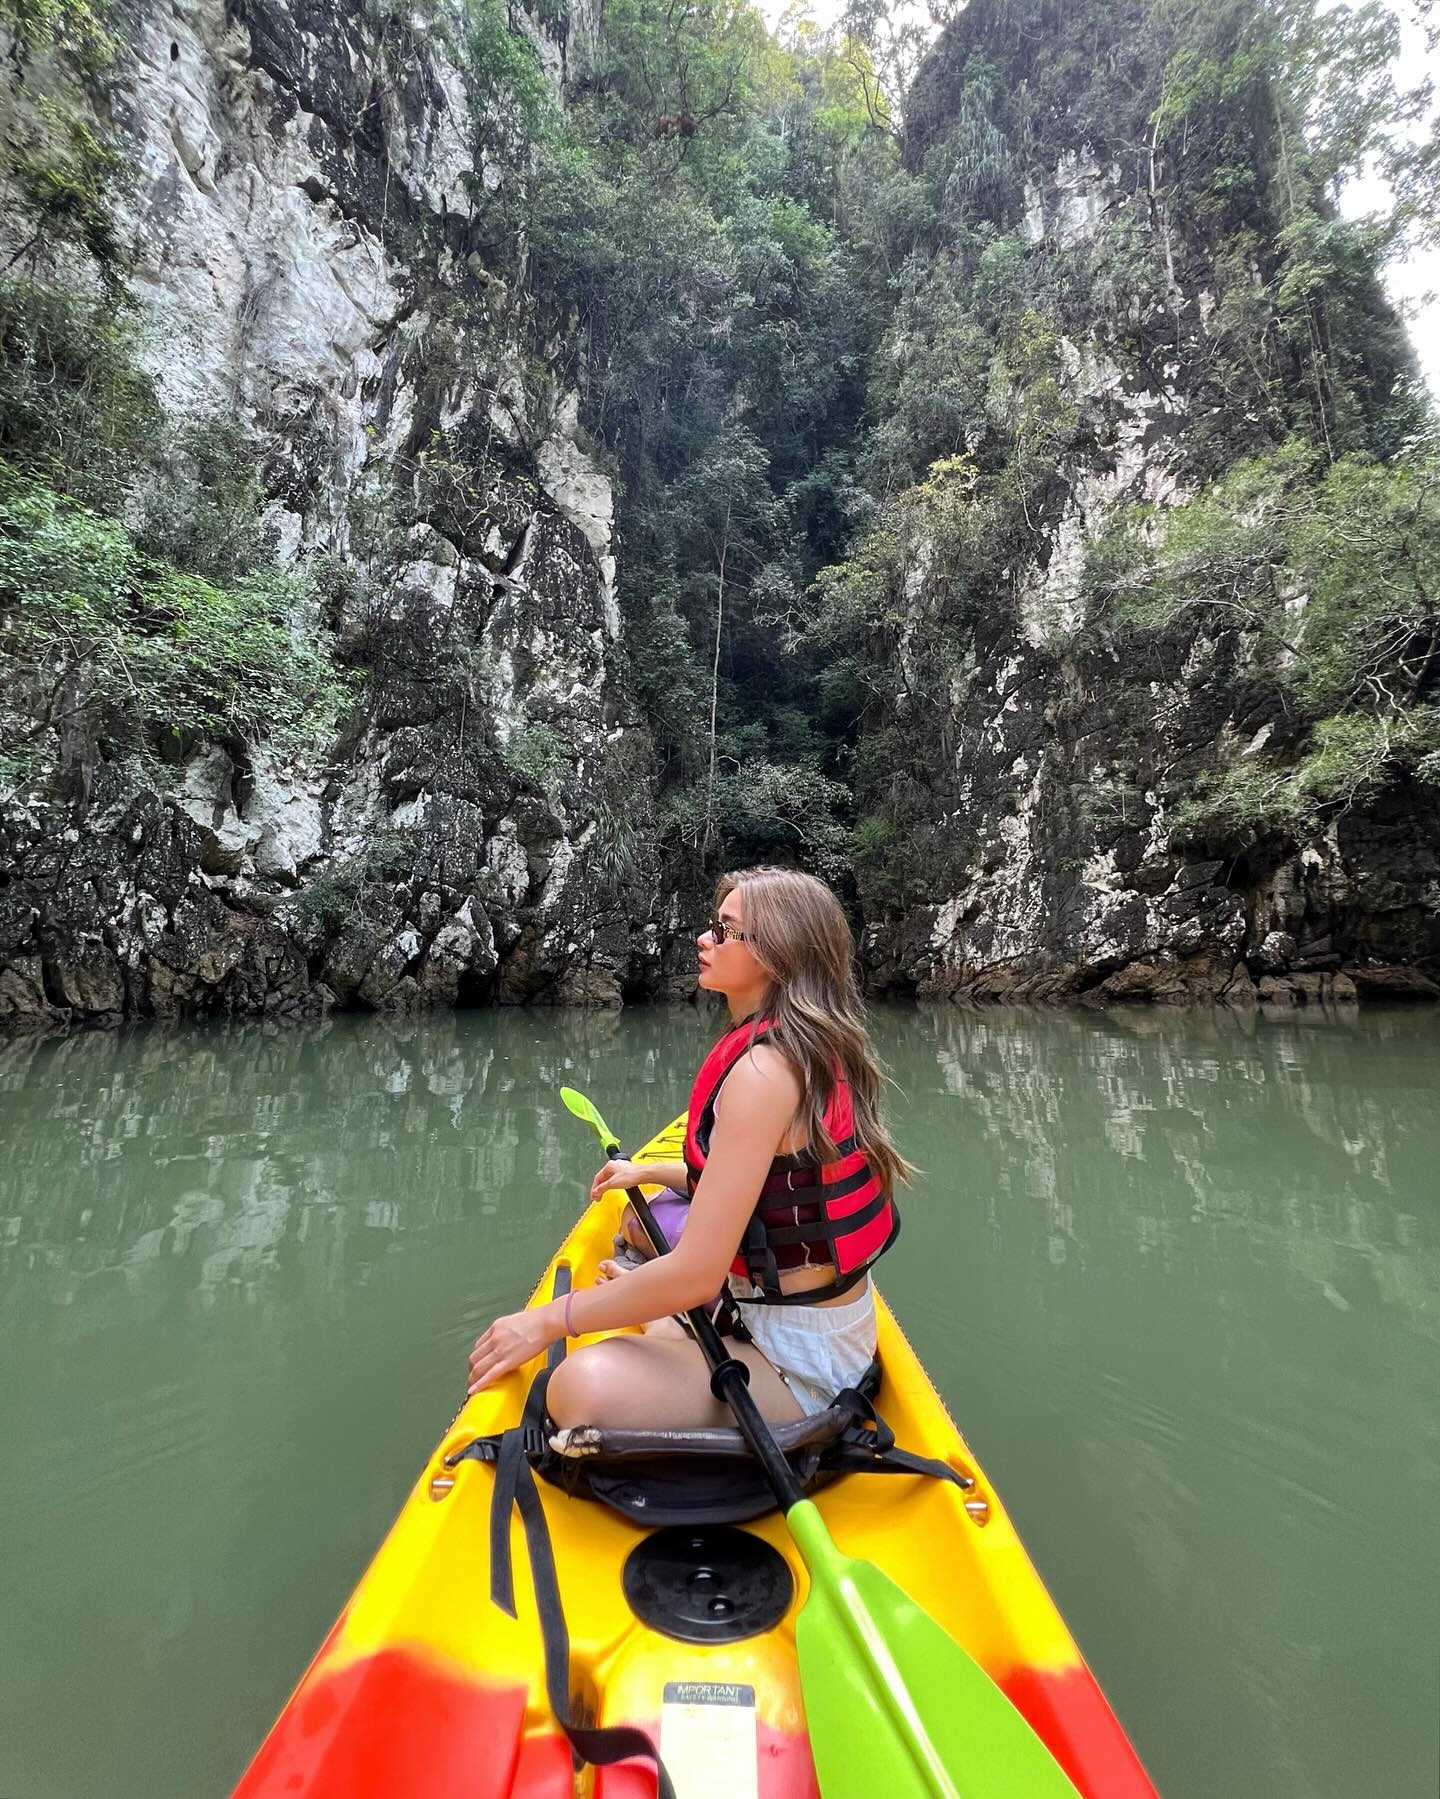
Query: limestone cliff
point(304, 254)
point(1052, 749)
point(895, 424)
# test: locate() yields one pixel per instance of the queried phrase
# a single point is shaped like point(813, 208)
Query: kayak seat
point(709, 1475)
point(702, 1476)
point(613, 1445)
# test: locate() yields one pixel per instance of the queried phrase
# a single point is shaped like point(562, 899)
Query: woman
point(790, 1172)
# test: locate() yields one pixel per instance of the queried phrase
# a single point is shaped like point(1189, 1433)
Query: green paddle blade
point(894, 1705)
point(587, 1110)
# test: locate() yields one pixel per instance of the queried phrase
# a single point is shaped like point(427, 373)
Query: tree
point(726, 513)
point(1331, 576)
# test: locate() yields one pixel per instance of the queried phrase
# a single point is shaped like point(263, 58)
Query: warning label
point(707, 1692)
point(708, 1739)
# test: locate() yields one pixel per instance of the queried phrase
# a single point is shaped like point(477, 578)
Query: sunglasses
point(719, 930)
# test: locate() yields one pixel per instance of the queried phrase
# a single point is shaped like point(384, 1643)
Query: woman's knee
point(580, 1385)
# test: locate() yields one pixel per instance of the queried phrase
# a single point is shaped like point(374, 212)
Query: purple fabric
point(672, 1213)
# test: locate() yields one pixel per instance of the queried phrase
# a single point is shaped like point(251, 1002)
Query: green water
point(1178, 1278)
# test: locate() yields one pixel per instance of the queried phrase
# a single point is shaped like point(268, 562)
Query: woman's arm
point(761, 1094)
point(760, 1098)
point(639, 1174)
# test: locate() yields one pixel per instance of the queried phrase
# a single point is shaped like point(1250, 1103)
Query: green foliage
point(510, 99)
point(972, 366)
point(693, 216)
point(59, 165)
point(841, 381)
point(1263, 112)
point(909, 563)
point(64, 186)
point(616, 849)
point(76, 411)
point(352, 891)
point(1349, 759)
point(200, 504)
point(1332, 575)
point(973, 171)
point(899, 858)
point(538, 754)
point(1216, 131)
point(766, 812)
point(683, 77)
point(95, 632)
point(1228, 125)
point(1366, 552)
point(933, 392)
point(71, 28)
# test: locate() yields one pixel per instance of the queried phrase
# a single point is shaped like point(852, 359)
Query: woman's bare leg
point(654, 1381)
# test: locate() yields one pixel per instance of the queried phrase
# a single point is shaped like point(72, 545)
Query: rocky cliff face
point(312, 239)
point(1052, 859)
point(1048, 755)
point(306, 258)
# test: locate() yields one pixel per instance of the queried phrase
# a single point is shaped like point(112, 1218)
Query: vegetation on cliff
point(175, 625)
point(1139, 201)
point(96, 634)
point(847, 356)
point(1331, 574)
point(847, 378)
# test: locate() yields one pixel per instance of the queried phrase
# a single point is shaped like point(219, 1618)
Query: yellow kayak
point(426, 1685)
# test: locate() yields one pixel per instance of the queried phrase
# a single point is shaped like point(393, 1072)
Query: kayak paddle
point(894, 1704)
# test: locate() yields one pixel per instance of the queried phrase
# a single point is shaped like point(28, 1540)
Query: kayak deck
point(423, 1681)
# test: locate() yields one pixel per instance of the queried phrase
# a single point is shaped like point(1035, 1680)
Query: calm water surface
point(1178, 1278)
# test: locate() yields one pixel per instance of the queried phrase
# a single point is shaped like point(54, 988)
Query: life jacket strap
point(823, 1230)
point(770, 1292)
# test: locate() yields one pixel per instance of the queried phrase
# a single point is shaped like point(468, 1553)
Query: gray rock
point(1276, 952)
point(1373, 981)
point(22, 993)
point(89, 978)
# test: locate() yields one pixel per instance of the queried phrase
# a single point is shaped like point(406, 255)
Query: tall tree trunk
point(715, 690)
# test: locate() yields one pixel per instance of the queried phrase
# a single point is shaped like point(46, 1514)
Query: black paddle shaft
point(729, 1377)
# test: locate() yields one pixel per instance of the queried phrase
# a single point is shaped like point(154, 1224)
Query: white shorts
point(816, 1350)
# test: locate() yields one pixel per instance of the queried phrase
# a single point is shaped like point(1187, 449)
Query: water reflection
point(1314, 1140)
point(1196, 1260)
point(240, 1149)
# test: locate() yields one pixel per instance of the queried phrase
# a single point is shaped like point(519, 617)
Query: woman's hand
point(512, 1341)
point(618, 1174)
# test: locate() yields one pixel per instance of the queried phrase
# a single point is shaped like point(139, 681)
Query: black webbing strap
point(823, 1229)
point(867, 1446)
point(760, 1261)
point(515, 1489)
point(848, 1458)
point(600, 1747)
point(511, 1452)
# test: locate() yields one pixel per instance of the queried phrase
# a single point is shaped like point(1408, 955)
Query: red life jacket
point(849, 1221)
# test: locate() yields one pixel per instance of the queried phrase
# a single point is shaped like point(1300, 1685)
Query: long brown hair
point(801, 939)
